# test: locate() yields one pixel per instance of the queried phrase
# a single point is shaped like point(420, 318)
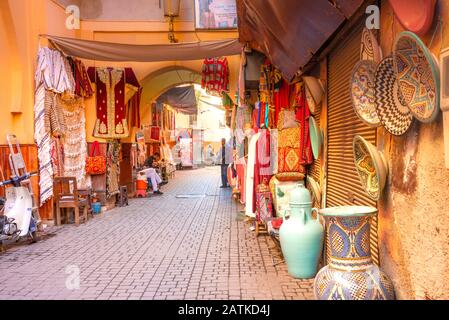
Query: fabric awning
point(289, 32)
point(108, 51)
point(182, 99)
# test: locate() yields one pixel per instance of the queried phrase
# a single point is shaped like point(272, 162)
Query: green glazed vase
point(301, 236)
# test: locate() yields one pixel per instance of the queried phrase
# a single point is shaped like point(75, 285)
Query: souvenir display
point(264, 202)
point(418, 76)
point(314, 92)
point(289, 160)
point(75, 145)
point(370, 49)
point(111, 88)
point(113, 169)
point(415, 15)
point(287, 119)
point(371, 167)
point(391, 107)
point(302, 114)
point(301, 236)
point(52, 74)
point(95, 163)
point(289, 138)
point(362, 92)
point(351, 273)
point(215, 75)
point(280, 191)
point(316, 138)
point(249, 180)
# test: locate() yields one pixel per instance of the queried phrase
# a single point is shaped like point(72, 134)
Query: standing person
point(224, 160)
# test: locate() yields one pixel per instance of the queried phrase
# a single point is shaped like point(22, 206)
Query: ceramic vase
point(301, 236)
point(351, 273)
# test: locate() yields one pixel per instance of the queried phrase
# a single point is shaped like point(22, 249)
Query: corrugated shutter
point(343, 184)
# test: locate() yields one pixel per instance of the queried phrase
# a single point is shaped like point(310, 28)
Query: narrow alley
point(157, 248)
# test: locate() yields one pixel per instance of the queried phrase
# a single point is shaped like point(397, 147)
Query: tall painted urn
point(351, 273)
point(301, 236)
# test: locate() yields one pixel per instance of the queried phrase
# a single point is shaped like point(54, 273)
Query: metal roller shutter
point(343, 184)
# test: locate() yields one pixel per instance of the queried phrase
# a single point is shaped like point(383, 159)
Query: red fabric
point(83, 86)
point(134, 109)
point(302, 116)
point(111, 118)
point(262, 166)
point(289, 160)
point(215, 75)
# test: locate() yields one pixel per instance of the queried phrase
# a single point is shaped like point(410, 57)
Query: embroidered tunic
point(111, 84)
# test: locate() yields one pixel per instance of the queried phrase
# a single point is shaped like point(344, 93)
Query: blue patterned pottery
point(351, 274)
point(301, 236)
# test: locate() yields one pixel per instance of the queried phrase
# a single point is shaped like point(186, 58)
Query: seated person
point(153, 160)
point(154, 179)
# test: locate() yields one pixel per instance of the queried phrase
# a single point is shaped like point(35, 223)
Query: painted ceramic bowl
point(371, 167)
point(362, 92)
point(391, 108)
point(414, 15)
point(316, 137)
point(314, 92)
point(370, 49)
point(418, 76)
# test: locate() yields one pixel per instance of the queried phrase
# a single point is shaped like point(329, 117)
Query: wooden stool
point(261, 228)
point(123, 197)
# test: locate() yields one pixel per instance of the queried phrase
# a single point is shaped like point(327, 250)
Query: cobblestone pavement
point(156, 248)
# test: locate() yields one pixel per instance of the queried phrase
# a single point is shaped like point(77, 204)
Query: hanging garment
point(134, 109)
point(111, 84)
point(57, 156)
point(75, 144)
point(52, 75)
point(215, 75)
point(54, 115)
point(113, 168)
point(83, 86)
point(302, 116)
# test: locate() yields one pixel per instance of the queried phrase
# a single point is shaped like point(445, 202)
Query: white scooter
point(19, 215)
point(17, 219)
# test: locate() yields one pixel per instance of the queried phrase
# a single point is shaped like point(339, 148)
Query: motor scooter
point(16, 217)
point(19, 214)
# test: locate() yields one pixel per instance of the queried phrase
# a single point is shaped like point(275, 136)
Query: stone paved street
point(157, 248)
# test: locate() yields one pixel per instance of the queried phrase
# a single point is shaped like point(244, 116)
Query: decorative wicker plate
point(371, 167)
point(316, 137)
point(391, 107)
point(418, 76)
point(362, 92)
point(370, 49)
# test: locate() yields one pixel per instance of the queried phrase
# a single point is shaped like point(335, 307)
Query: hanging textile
point(215, 75)
point(75, 145)
point(111, 84)
point(83, 86)
point(113, 168)
point(302, 116)
point(57, 156)
point(134, 109)
point(54, 115)
point(52, 75)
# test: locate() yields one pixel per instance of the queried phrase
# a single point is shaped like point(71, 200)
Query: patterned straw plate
point(418, 76)
point(362, 92)
point(391, 107)
point(370, 49)
point(316, 137)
